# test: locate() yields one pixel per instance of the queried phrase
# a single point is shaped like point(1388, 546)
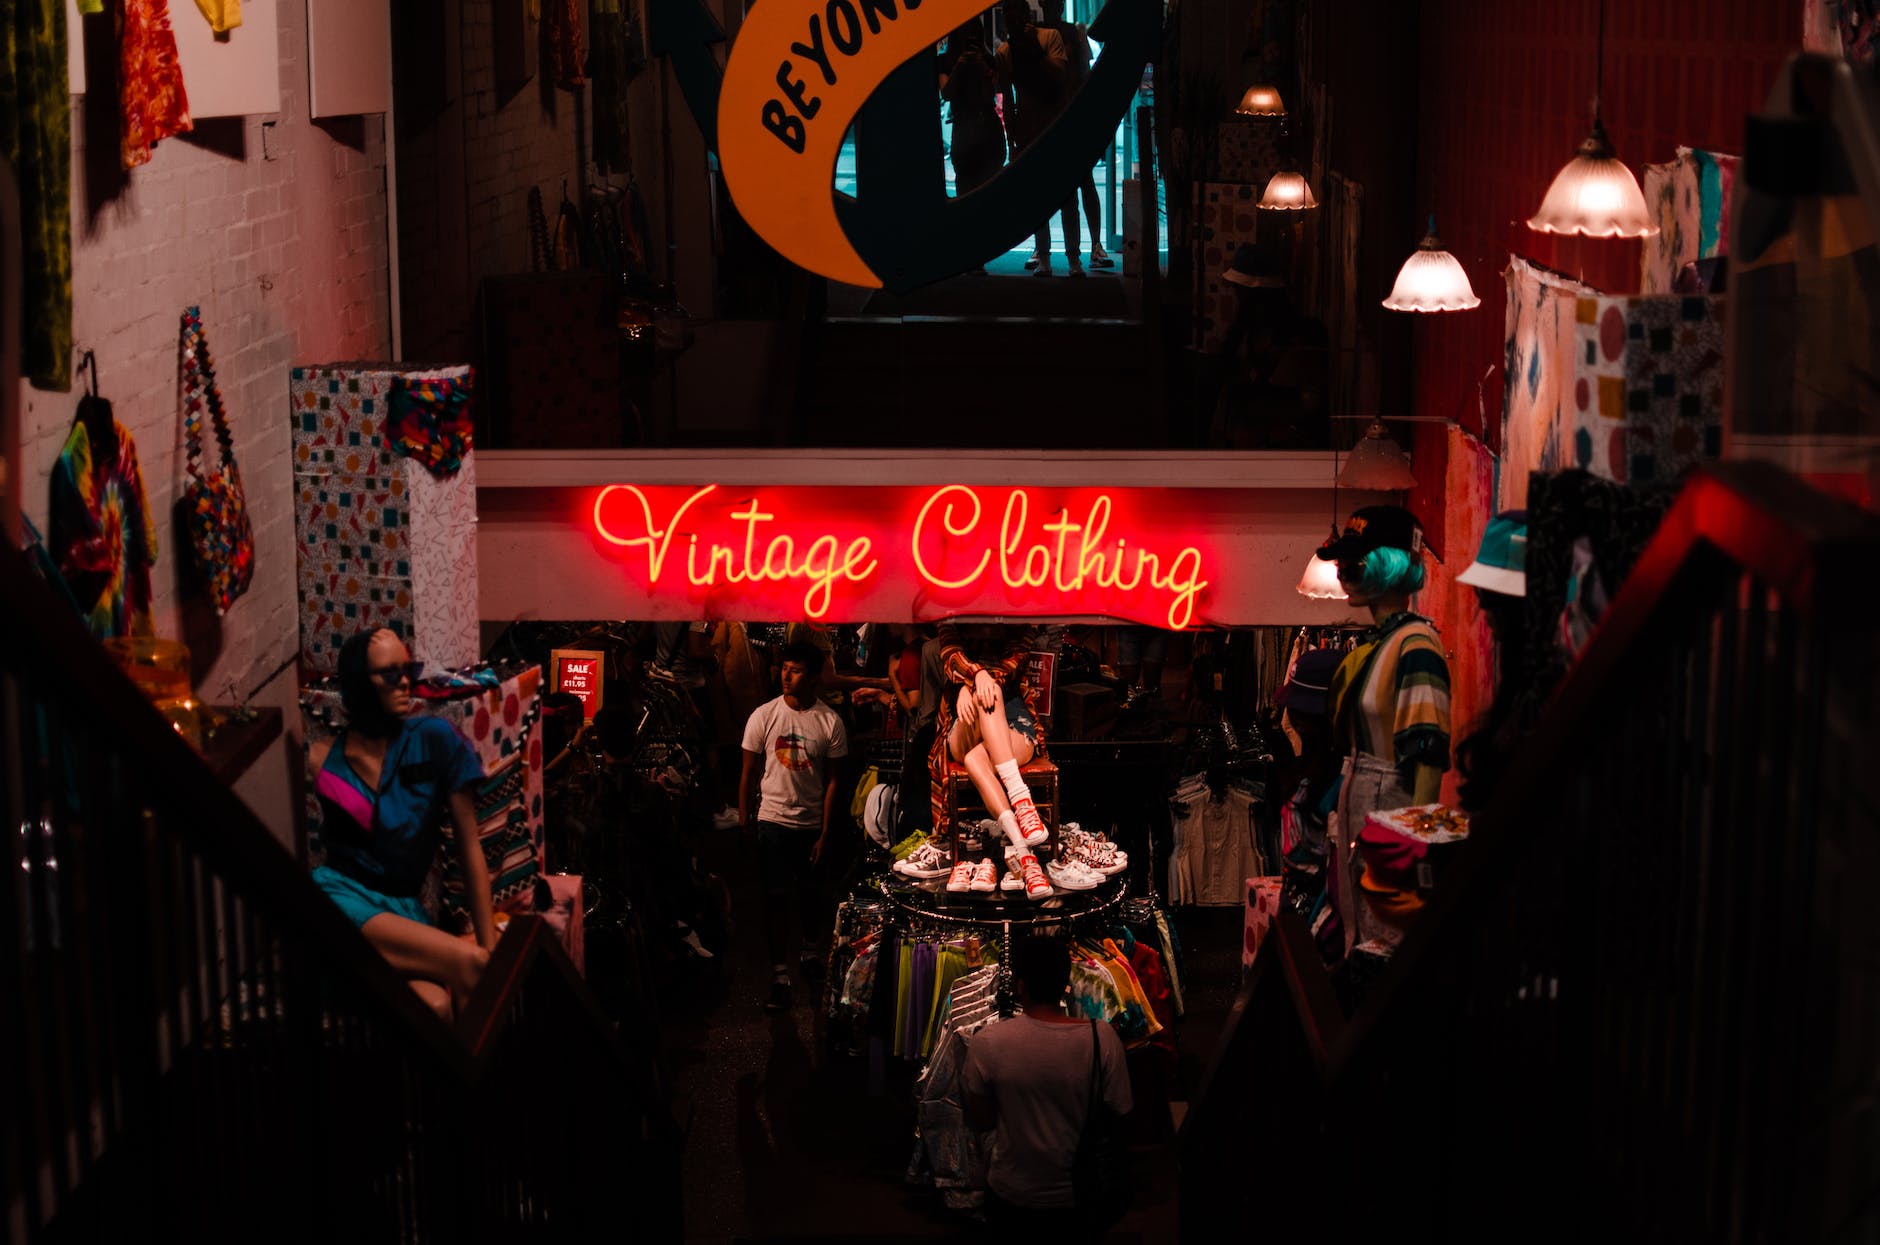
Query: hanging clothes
point(564, 17)
point(1216, 847)
point(36, 138)
point(150, 80)
point(102, 537)
point(222, 15)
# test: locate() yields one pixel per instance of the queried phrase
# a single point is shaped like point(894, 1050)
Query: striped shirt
point(1392, 694)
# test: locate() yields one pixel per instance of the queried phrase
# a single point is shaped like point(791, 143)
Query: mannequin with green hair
point(1390, 712)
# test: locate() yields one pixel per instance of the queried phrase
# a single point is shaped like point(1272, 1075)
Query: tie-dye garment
point(150, 81)
point(102, 536)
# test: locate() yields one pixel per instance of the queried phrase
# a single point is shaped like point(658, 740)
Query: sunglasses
point(404, 671)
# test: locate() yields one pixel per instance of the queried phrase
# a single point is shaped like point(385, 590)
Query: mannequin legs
point(982, 740)
point(429, 958)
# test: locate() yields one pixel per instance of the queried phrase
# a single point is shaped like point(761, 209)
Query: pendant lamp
point(1260, 100)
point(1595, 195)
point(1432, 280)
point(1287, 192)
point(1320, 581)
point(1377, 465)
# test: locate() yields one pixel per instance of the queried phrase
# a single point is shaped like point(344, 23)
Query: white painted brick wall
point(287, 256)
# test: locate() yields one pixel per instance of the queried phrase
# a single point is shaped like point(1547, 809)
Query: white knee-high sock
point(1015, 788)
point(1009, 824)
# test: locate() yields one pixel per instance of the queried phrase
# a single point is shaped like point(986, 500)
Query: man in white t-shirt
point(1028, 1080)
point(790, 746)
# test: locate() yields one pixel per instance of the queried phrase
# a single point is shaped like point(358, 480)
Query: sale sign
point(579, 673)
point(950, 549)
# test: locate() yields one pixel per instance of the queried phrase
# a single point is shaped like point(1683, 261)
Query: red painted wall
point(1504, 97)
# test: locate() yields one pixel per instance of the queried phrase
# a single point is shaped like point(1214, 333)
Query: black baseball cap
point(1373, 527)
point(1309, 689)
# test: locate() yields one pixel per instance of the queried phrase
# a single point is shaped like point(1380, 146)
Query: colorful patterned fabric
point(499, 726)
point(430, 421)
point(150, 81)
point(1392, 694)
point(1648, 389)
point(1672, 195)
point(382, 541)
point(102, 536)
point(1538, 376)
point(36, 139)
point(222, 15)
point(220, 535)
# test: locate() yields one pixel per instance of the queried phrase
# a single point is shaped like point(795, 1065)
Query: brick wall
point(469, 149)
point(279, 233)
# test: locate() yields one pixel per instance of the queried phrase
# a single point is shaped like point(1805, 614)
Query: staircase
point(1643, 1006)
point(197, 1045)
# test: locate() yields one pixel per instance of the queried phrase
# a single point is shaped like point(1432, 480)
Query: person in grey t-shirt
point(1028, 1080)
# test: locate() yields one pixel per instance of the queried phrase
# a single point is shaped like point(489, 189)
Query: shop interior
point(1482, 393)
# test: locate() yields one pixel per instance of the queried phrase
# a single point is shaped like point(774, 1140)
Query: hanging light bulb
point(1320, 582)
point(1260, 100)
point(1594, 195)
point(1432, 280)
point(1288, 192)
point(1377, 465)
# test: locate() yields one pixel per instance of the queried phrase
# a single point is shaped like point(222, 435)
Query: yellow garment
point(223, 15)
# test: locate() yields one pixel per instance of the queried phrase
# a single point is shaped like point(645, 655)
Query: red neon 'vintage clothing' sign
point(802, 552)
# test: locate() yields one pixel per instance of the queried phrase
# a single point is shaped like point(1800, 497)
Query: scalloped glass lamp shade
point(1288, 192)
point(1594, 196)
point(1432, 280)
point(1320, 582)
point(1261, 100)
point(1377, 465)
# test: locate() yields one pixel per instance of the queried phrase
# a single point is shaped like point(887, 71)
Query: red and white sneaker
point(961, 879)
point(1037, 885)
point(1030, 825)
point(986, 877)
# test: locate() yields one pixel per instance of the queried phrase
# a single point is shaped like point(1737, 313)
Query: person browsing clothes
point(790, 745)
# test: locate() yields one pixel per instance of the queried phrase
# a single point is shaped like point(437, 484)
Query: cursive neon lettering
point(1070, 554)
point(657, 541)
point(948, 529)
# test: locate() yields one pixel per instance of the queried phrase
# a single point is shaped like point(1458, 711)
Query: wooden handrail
point(1731, 518)
point(214, 822)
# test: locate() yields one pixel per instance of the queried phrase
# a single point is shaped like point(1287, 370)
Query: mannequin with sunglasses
point(387, 784)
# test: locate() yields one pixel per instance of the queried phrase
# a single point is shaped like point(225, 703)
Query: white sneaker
point(927, 862)
point(1011, 881)
point(986, 877)
point(962, 877)
point(1071, 876)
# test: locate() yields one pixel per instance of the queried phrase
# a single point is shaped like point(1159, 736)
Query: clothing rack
point(913, 924)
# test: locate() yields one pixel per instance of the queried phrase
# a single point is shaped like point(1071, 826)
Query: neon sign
point(793, 551)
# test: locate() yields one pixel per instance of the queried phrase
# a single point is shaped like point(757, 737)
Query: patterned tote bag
point(220, 536)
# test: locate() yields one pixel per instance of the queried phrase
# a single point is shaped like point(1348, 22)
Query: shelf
point(238, 739)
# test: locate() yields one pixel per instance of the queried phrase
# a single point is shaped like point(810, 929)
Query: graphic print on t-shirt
point(792, 752)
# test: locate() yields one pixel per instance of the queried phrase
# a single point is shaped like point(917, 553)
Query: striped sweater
point(1391, 694)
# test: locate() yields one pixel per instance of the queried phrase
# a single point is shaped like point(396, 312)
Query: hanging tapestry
point(1647, 386)
point(36, 139)
point(150, 80)
point(1538, 369)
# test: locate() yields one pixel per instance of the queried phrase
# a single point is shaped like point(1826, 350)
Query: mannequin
point(987, 726)
point(1390, 711)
